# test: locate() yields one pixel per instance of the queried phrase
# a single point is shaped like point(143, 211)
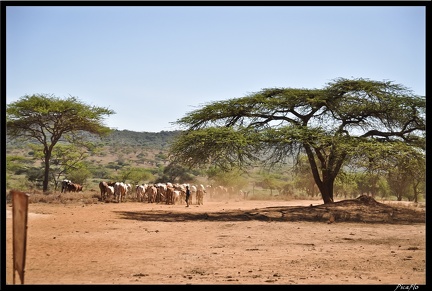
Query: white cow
point(177, 197)
point(141, 192)
point(120, 191)
point(200, 194)
point(109, 191)
point(193, 193)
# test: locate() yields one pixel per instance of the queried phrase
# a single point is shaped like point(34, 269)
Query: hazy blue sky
point(153, 65)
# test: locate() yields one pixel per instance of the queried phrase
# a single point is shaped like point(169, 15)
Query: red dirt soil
point(228, 242)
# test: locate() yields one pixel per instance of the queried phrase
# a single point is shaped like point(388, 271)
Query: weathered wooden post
point(19, 232)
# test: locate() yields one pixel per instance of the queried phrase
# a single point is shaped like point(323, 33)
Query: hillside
point(120, 149)
point(156, 140)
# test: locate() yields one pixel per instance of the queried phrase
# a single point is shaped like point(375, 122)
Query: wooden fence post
point(19, 226)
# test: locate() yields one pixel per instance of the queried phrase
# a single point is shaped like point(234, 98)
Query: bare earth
point(227, 242)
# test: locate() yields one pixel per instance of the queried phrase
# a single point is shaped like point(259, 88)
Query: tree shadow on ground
point(363, 209)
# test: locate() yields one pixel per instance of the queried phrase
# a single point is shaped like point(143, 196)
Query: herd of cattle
point(152, 193)
point(168, 193)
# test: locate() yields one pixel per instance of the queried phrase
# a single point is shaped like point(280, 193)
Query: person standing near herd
point(187, 196)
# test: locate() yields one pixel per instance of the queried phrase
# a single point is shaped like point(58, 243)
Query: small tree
point(134, 175)
point(270, 181)
point(403, 166)
point(406, 171)
point(65, 158)
point(418, 177)
point(176, 173)
point(79, 175)
point(303, 178)
point(46, 119)
point(232, 178)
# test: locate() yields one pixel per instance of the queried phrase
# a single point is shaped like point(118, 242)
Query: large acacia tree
point(330, 125)
point(48, 119)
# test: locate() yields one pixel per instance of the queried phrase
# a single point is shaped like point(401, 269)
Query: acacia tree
point(330, 125)
point(46, 119)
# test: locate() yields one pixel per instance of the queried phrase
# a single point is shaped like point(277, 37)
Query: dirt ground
point(227, 242)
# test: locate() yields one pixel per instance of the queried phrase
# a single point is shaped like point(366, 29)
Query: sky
point(153, 65)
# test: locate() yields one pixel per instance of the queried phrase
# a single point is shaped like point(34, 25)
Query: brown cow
point(151, 192)
point(73, 187)
point(170, 195)
point(103, 186)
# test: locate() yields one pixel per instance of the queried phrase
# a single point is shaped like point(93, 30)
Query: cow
point(173, 196)
point(103, 186)
point(244, 194)
point(120, 191)
point(193, 193)
point(202, 187)
point(140, 192)
point(128, 188)
point(65, 184)
point(169, 195)
point(177, 197)
point(110, 191)
point(74, 187)
point(68, 186)
point(151, 194)
point(182, 190)
point(200, 196)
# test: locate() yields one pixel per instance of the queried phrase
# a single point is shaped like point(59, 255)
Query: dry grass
point(60, 198)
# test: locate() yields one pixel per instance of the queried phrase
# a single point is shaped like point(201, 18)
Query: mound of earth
point(362, 209)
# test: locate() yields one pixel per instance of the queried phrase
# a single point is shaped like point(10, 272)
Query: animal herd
point(168, 193)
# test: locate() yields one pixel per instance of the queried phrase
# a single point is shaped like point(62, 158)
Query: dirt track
point(236, 242)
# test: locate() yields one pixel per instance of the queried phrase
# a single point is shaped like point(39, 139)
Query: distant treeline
point(149, 139)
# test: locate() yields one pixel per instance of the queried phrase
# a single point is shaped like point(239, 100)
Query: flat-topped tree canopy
point(329, 125)
point(47, 118)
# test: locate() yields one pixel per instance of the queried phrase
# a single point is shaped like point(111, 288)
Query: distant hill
point(156, 140)
point(121, 148)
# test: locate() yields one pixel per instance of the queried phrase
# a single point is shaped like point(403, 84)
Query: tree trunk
point(415, 192)
point(46, 171)
point(326, 190)
point(326, 185)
